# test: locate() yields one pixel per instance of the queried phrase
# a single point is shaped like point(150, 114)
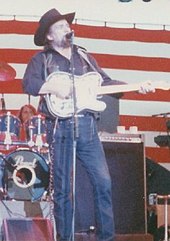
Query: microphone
point(69, 35)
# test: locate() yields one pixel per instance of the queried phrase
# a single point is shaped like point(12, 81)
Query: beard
point(65, 43)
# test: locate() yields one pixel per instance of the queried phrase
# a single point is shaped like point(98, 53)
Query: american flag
point(127, 54)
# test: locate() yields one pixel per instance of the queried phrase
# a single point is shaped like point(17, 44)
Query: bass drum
point(26, 175)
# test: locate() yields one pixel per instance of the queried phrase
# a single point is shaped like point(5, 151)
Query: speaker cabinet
point(127, 169)
point(27, 230)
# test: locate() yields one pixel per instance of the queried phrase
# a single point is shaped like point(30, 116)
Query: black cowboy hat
point(46, 21)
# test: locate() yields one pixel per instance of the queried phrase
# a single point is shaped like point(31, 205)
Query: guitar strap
point(81, 51)
point(83, 54)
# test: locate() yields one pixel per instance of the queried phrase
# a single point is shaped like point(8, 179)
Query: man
point(74, 130)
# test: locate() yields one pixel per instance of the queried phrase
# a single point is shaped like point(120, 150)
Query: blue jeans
point(90, 152)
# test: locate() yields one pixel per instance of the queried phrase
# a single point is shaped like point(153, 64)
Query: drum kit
point(24, 165)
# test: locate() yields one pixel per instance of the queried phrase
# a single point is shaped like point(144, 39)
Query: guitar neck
point(113, 89)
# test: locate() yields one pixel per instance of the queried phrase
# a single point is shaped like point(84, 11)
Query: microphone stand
point(75, 132)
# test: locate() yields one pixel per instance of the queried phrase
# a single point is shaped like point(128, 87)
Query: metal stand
point(75, 134)
point(165, 198)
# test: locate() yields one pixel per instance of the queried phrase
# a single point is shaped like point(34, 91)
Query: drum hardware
point(8, 140)
point(31, 143)
point(39, 142)
point(36, 132)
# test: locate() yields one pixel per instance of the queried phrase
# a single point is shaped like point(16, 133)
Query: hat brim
point(40, 34)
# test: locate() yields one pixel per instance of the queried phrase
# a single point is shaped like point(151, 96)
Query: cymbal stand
point(8, 140)
point(31, 141)
point(39, 141)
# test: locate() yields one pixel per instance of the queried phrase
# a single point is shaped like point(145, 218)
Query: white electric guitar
point(88, 91)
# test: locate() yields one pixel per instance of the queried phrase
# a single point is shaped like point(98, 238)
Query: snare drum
point(27, 173)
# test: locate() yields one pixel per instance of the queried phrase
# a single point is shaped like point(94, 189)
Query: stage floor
point(26, 210)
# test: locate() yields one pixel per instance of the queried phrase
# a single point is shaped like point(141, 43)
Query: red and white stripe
point(128, 54)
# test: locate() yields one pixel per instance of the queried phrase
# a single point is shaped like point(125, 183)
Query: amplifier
point(122, 138)
point(126, 162)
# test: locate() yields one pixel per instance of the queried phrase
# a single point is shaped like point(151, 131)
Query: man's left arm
point(143, 88)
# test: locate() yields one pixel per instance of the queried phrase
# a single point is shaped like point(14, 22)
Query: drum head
point(26, 174)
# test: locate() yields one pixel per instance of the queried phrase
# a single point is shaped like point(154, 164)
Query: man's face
point(57, 32)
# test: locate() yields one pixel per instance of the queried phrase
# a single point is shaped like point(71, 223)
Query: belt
point(79, 115)
point(84, 113)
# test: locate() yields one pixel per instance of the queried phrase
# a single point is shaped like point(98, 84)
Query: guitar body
point(85, 97)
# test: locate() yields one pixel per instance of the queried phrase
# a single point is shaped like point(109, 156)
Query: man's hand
point(146, 87)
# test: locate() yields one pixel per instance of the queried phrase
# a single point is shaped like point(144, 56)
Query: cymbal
point(7, 72)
